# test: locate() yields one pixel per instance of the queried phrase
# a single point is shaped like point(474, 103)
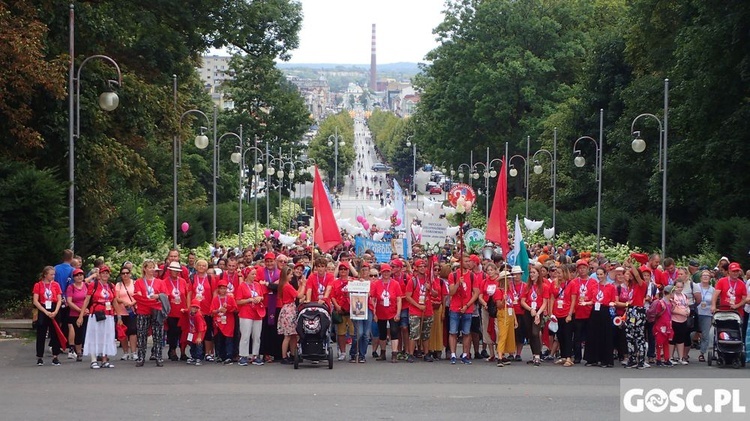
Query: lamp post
point(239, 158)
point(108, 101)
point(512, 171)
point(414, 161)
point(580, 161)
point(217, 153)
point(639, 145)
point(460, 171)
point(553, 172)
point(333, 140)
point(290, 176)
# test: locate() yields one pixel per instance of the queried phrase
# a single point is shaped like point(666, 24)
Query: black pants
point(651, 352)
point(621, 345)
point(78, 331)
point(383, 326)
point(173, 334)
point(600, 338)
point(62, 320)
point(270, 340)
point(43, 328)
point(565, 337)
point(580, 328)
point(521, 331)
point(532, 332)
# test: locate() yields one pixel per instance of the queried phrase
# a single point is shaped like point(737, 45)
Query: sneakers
point(668, 364)
point(342, 357)
point(287, 361)
point(152, 357)
point(190, 361)
point(500, 363)
point(518, 358)
point(659, 363)
point(353, 360)
point(375, 354)
point(183, 357)
point(537, 362)
point(198, 363)
point(139, 363)
point(401, 356)
point(410, 359)
point(453, 360)
point(484, 354)
point(160, 363)
point(646, 365)
point(631, 365)
point(124, 357)
point(40, 362)
point(683, 362)
point(95, 365)
point(640, 366)
point(465, 359)
point(242, 362)
point(56, 362)
point(210, 358)
point(428, 358)
point(228, 361)
point(72, 355)
point(258, 361)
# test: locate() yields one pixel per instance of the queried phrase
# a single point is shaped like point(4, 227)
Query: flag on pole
point(61, 338)
point(325, 229)
point(519, 256)
point(497, 226)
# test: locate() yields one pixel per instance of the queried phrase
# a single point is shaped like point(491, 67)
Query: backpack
point(653, 311)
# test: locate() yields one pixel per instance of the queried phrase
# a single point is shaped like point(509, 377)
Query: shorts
point(476, 325)
point(384, 326)
point(417, 332)
point(345, 326)
point(209, 336)
point(404, 321)
point(681, 334)
point(453, 323)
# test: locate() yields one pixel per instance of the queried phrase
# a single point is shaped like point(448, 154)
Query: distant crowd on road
point(242, 307)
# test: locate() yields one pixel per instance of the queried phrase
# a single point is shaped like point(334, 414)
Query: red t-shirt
point(731, 293)
point(503, 299)
point(562, 297)
point(288, 295)
point(143, 289)
point(441, 287)
point(420, 290)
point(639, 294)
point(102, 297)
point(402, 278)
point(195, 324)
point(340, 293)
point(176, 290)
point(317, 285)
point(488, 289)
point(463, 293)
point(224, 321)
point(660, 277)
point(517, 290)
point(534, 295)
point(603, 295)
point(586, 292)
point(251, 311)
point(47, 292)
point(203, 288)
point(233, 281)
point(387, 295)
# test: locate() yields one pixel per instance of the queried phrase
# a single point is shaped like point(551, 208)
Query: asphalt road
point(375, 390)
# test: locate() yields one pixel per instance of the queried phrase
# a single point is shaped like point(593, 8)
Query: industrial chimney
point(373, 64)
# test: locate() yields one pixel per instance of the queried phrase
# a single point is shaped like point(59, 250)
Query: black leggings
point(78, 331)
point(44, 327)
point(532, 332)
point(173, 333)
point(565, 337)
point(522, 330)
point(383, 333)
point(580, 329)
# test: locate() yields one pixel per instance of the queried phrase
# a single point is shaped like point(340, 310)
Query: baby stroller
point(727, 345)
point(313, 324)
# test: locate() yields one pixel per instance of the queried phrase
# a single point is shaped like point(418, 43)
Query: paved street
point(381, 390)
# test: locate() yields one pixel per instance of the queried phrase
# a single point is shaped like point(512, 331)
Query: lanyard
point(561, 292)
point(202, 281)
point(175, 287)
point(47, 290)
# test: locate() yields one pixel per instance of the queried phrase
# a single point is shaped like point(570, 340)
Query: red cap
point(397, 263)
point(734, 266)
point(385, 267)
point(475, 259)
point(195, 303)
point(581, 262)
point(76, 271)
point(344, 265)
point(365, 264)
point(419, 262)
point(269, 256)
point(222, 283)
point(645, 268)
point(299, 265)
point(104, 268)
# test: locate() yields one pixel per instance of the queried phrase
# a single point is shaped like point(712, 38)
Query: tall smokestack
point(373, 64)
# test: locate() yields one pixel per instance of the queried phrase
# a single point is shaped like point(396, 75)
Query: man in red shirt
point(402, 278)
point(660, 278)
point(388, 297)
point(586, 293)
point(464, 294)
point(340, 300)
point(419, 292)
point(731, 292)
point(179, 295)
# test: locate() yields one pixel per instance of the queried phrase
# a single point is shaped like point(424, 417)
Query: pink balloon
point(347, 243)
point(267, 232)
point(398, 221)
point(276, 234)
point(360, 218)
point(366, 225)
point(185, 227)
point(302, 235)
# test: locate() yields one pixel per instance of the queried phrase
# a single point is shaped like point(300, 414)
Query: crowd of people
point(240, 308)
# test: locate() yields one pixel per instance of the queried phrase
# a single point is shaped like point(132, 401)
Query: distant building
point(213, 74)
point(316, 94)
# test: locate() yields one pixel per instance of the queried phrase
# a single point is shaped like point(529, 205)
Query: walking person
point(125, 310)
point(704, 293)
point(47, 298)
point(147, 290)
point(76, 296)
point(100, 331)
point(249, 297)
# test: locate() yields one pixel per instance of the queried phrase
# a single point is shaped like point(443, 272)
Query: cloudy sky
point(339, 31)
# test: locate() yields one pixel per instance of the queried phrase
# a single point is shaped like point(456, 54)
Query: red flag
point(497, 226)
point(60, 335)
point(325, 229)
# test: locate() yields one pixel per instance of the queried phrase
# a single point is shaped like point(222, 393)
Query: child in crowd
point(195, 331)
point(663, 328)
point(223, 308)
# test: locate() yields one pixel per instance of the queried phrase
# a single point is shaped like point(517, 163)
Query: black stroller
point(727, 346)
point(313, 324)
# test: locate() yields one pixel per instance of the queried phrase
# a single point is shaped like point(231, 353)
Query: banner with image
point(382, 249)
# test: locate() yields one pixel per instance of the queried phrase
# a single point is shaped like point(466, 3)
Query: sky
point(340, 31)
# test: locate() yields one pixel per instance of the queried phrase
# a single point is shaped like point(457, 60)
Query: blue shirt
point(63, 276)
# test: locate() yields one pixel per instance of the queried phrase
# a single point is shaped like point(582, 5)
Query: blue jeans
point(404, 318)
point(453, 323)
point(196, 351)
point(361, 336)
point(704, 323)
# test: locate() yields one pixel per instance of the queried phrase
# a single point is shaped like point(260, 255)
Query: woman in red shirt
point(125, 310)
point(486, 292)
point(564, 297)
point(147, 290)
point(535, 304)
point(47, 298)
point(506, 321)
point(204, 287)
point(635, 333)
point(599, 344)
point(437, 343)
point(287, 323)
point(100, 331)
point(249, 296)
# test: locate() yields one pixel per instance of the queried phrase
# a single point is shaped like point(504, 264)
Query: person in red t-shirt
point(194, 329)
point(486, 292)
point(437, 342)
point(179, 296)
point(47, 298)
point(318, 283)
point(287, 325)
point(340, 300)
point(464, 292)
point(599, 345)
point(388, 294)
point(564, 297)
point(399, 275)
point(223, 308)
point(100, 330)
point(419, 292)
point(146, 295)
point(635, 333)
point(730, 292)
point(586, 291)
point(249, 297)
point(534, 302)
point(204, 290)
point(660, 277)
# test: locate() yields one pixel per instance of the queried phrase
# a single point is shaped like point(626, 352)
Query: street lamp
point(108, 101)
point(238, 158)
point(234, 159)
point(414, 162)
point(514, 172)
point(461, 172)
point(335, 140)
point(553, 173)
point(580, 161)
point(639, 145)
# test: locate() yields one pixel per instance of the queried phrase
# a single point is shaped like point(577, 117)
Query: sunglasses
point(124, 273)
point(373, 275)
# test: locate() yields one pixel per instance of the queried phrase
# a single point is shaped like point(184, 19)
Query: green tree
point(323, 154)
